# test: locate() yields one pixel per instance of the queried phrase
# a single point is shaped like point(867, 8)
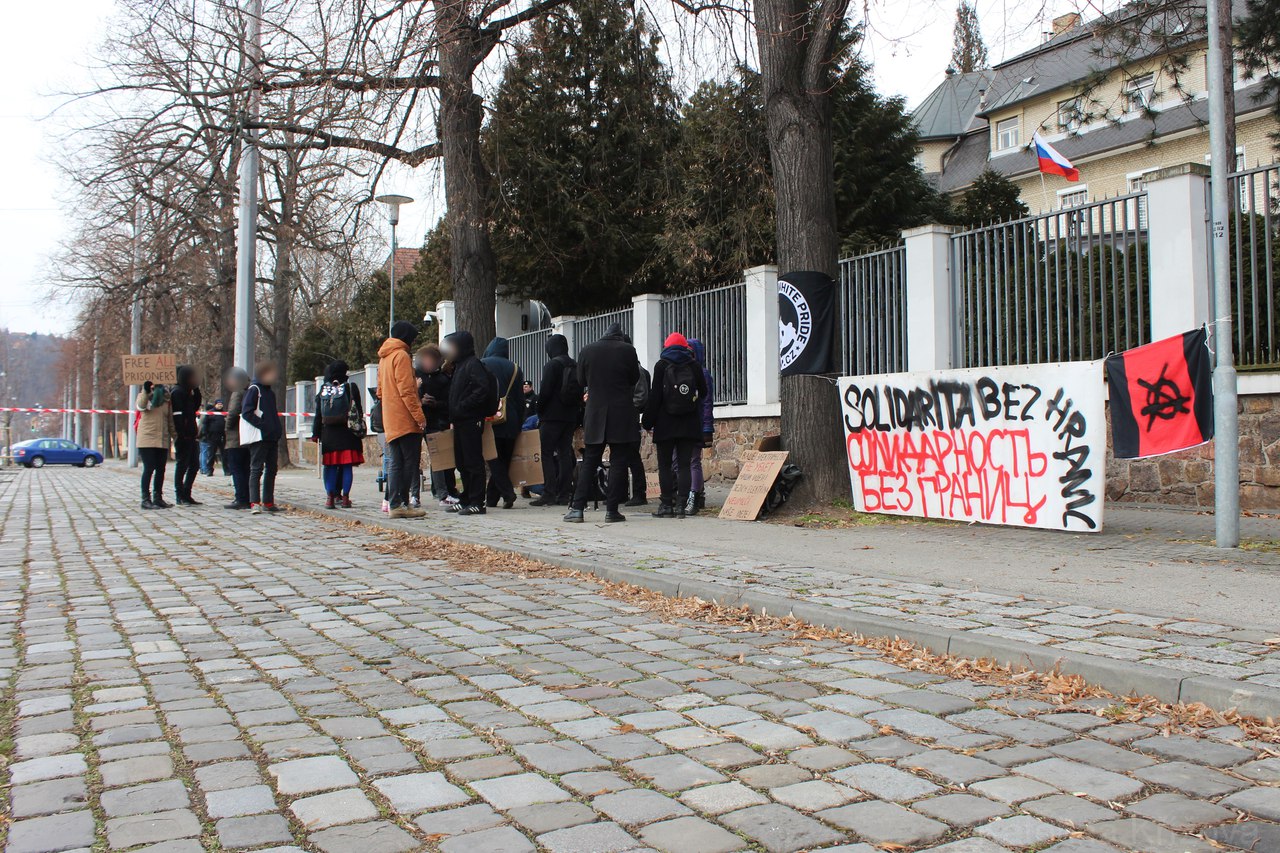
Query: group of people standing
point(169, 417)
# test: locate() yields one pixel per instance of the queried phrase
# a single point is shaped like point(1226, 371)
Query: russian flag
point(1051, 162)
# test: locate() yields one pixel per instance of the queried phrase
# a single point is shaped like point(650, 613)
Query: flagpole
point(1226, 427)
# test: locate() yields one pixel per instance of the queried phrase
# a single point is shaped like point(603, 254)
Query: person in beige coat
point(154, 427)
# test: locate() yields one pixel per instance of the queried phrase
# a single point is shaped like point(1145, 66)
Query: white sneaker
point(256, 509)
point(386, 506)
point(415, 502)
point(452, 501)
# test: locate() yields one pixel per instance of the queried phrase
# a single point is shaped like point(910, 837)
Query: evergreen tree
point(991, 198)
point(1259, 39)
point(579, 141)
point(968, 51)
point(721, 215)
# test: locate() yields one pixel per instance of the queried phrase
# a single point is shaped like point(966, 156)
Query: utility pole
point(247, 237)
point(95, 399)
point(77, 423)
point(1226, 428)
point(135, 330)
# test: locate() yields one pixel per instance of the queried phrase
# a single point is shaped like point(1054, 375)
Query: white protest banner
point(1022, 445)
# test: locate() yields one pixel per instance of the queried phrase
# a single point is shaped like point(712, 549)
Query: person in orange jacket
point(402, 418)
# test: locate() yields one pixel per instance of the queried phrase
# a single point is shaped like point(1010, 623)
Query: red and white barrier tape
point(43, 410)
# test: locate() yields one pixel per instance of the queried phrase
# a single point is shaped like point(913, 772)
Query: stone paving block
point(526, 789)
point(228, 774)
point(418, 792)
point(884, 823)
point(309, 775)
point(321, 811)
point(48, 797)
point(594, 782)
point(832, 726)
point(886, 783)
point(1260, 802)
point(241, 832)
point(1196, 750)
point(1082, 845)
point(374, 837)
point(126, 832)
point(814, 795)
point(726, 756)
point(560, 757)
point(928, 701)
point(719, 799)
point(1248, 835)
point(239, 802)
point(1073, 777)
point(50, 743)
point(688, 737)
point(501, 839)
point(690, 835)
point(779, 829)
point(145, 799)
point(548, 817)
point(1072, 810)
point(638, 806)
point(1012, 789)
point(1194, 780)
point(1180, 813)
point(969, 845)
point(953, 767)
point(1147, 837)
point(1101, 754)
point(604, 837)
point(961, 809)
point(822, 758)
point(1021, 831)
point(48, 767)
point(674, 772)
point(52, 834)
point(459, 821)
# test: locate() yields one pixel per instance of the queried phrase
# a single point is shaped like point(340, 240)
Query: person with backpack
point(433, 390)
point(186, 400)
point(339, 428)
point(674, 416)
point(608, 371)
point(506, 421)
point(235, 457)
point(213, 436)
point(260, 434)
point(473, 397)
point(403, 421)
point(559, 411)
point(153, 431)
point(697, 480)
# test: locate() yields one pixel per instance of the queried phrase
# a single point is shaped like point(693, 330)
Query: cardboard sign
point(526, 463)
point(758, 474)
point(441, 453)
point(1022, 445)
point(160, 368)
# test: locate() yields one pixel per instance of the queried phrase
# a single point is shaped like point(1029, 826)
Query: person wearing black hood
point(433, 390)
point(186, 434)
point(259, 410)
point(674, 415)
point(338, 408)
point(559, 412)
point(403, 420)
point(473, 396)
point(608, 371)
point(508, 378)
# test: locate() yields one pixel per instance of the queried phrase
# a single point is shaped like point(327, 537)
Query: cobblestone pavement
point(191, 680)
point(1175, 643)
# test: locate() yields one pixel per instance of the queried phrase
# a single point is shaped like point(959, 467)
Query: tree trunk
point(798, 119)
point(466, 179)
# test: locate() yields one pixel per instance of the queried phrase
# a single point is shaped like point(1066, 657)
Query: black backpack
point(640, 396)
point(680, 388)
point(334, 404)
point(571, 389)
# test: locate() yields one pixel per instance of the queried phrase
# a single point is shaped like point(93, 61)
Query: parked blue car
point(39, 452)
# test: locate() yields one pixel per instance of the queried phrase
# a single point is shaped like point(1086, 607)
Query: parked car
point(39, 452)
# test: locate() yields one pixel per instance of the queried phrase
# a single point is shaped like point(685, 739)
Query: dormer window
point(1008, 134)
point(1069, 116)
point(1138, 93)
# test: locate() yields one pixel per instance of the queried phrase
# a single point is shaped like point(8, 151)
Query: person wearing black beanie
point(403, 330)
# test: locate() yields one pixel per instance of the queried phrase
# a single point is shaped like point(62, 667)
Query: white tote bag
point(250, 434)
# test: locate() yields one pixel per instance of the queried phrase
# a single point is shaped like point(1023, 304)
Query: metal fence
point(1255, 265)
point(1062, 286)
point(873, 312)
point(529, 351)
point(717, 317)
point(588, 330)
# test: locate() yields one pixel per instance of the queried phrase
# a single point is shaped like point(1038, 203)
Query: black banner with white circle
point(806, 323)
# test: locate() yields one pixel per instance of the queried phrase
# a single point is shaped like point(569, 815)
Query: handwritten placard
point(758, 474)
point(153, 367)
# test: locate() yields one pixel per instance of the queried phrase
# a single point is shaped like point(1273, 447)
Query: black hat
point(405, 331)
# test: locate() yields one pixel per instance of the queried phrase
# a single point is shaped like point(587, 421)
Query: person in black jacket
point(473, 396)
point(213, 436)
point(674, 415)
point(557, 420)
point(341, 447)
point(259, 410)
point(433, 387)
point(608, 371)
point(186, 434)
point(508, 378)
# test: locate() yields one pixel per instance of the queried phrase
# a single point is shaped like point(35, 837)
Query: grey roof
point(950, 109)
point(967, 160)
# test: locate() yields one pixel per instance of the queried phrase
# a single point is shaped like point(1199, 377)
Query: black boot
point(612, 516)
point(691, 505)
point(664, 510)
point(638, 500)
point(700, 500)
point(574, 516)
point(159, 502)
point(146, 503)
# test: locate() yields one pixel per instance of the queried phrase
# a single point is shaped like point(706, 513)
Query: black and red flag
point(1161, 396)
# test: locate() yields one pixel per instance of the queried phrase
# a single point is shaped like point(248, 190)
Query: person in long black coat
point(608, 371)
point(473, 396)
point(509, 378)
point(557, 420)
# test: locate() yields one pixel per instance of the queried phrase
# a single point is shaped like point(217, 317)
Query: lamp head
point(393, 202)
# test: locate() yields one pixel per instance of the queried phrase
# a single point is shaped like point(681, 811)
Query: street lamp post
point(393, 203)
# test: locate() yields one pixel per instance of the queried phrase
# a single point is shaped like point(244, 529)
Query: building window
point(1070, 116)
point(1138, 93)
point(1074, 197)
point(1137, 207)
point(1008, 134)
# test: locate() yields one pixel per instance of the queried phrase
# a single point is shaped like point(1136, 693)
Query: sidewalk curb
point(1117, 676)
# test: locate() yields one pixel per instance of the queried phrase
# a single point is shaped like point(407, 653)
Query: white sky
point(44, 49)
